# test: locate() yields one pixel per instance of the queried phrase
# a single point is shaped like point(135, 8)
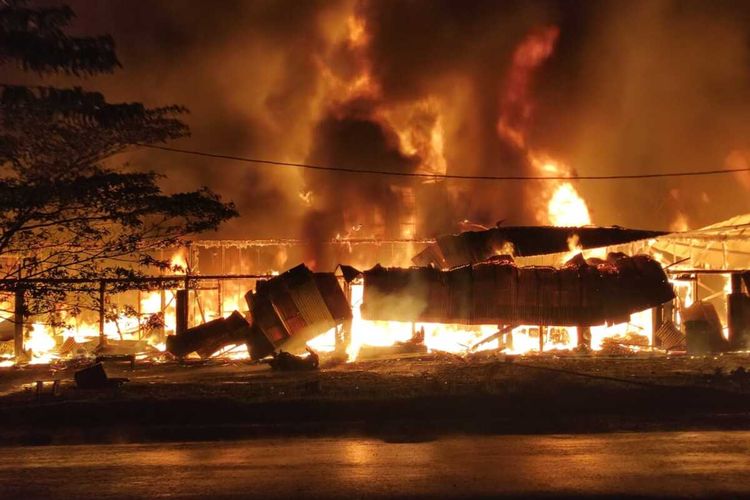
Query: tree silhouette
point(65, 212)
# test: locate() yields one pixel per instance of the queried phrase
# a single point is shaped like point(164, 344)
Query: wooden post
point(20, 306)
point(181, 311)
point(584, 336)
point(163, 309)
point(139, 312)
point(736, 314)
point(102, 290)
point(657, 320)
point(220, 298)
point(542, 331)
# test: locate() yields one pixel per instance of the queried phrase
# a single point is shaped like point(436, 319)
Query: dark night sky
point(631, 86)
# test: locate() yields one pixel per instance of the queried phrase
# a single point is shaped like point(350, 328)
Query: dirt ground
point(404, 398)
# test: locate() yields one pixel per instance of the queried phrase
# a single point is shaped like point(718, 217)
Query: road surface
point(679, 464)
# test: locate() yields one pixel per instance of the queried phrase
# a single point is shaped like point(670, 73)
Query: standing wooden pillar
point(102, 290)
point(19, 312)
point(736, 305)
point(657, 320)
point(181, 311)
point(220, 294)
point(542, 332)
point(163, 310)
point(584, 336)
point(344, 333)
point(343, 337)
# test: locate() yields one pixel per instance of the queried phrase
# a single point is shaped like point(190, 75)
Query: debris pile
point(294, 307)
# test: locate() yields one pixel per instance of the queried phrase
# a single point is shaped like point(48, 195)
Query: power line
point(349, 170)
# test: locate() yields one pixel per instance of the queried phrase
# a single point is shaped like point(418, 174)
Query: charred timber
point(210, 337)
point(580, 293)
point(472, 247)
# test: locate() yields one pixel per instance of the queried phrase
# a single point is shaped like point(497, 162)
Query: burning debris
point(293, 308)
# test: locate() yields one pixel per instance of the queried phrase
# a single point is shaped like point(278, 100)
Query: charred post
point(738, 314)
point(181, 311)
point(19, 315)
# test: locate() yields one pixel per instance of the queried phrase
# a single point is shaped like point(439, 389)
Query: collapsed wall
point(581, 293)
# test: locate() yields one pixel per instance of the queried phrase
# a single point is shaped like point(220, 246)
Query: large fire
point(419, 129)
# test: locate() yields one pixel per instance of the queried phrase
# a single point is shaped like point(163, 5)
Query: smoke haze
point(424, 86)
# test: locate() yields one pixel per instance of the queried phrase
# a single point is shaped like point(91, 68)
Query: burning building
point(366, 108)
point(547, 301)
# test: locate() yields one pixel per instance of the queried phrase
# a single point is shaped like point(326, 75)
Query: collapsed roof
point(294, 307)
point(476, 246)
point(581, 293)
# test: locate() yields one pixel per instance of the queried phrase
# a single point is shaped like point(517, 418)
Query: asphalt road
point(659, 464)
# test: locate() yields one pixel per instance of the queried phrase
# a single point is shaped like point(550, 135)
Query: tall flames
point(560, 203)
point(419, 130)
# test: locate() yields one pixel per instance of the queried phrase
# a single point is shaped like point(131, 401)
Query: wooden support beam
point(584, 336)
point(102, 290)
point(542, 332)
point(19, 320)
point(181, 312)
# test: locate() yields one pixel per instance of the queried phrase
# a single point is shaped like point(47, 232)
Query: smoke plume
point(436, 86)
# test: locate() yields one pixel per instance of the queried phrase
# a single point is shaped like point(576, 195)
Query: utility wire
point(349, 170)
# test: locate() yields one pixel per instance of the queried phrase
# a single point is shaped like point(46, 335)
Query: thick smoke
point(630, 87)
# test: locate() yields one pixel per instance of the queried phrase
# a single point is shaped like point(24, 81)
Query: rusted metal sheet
point(294, 307)
point(580, 293)
point(472, 247)
point(333, 297)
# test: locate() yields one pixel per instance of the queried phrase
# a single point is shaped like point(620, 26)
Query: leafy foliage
point(64, 212)
point(34, 39)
